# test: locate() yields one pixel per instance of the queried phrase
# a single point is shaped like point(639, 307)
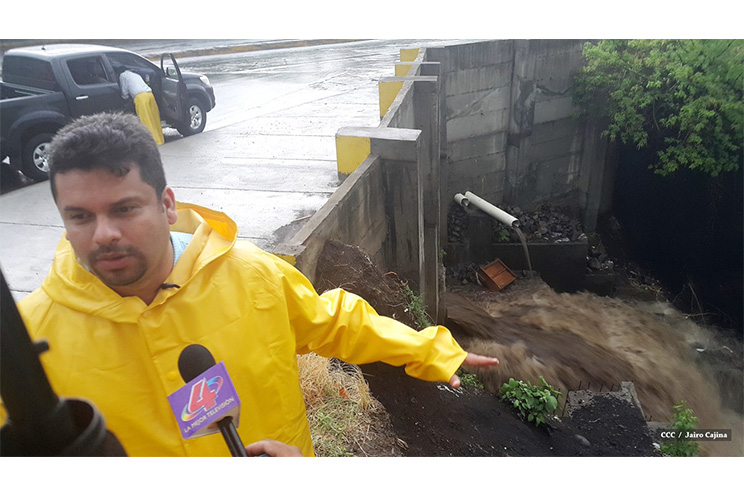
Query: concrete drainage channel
point(553, 245)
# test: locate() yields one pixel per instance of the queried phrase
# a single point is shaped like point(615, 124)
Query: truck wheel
point(35, 160)
point(197, 118)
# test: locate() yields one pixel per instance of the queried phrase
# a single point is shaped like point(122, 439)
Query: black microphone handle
point(230, 433)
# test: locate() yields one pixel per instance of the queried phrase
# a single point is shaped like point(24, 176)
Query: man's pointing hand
point(473, 360)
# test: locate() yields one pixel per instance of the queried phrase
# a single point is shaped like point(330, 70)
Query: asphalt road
point(267, 156)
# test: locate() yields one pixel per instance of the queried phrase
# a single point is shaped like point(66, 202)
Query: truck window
point(29, 71)
point(129, 60)
point(87, 71)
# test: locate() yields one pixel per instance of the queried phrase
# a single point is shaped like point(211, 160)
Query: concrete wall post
point(436, 69)
point(400, 150)
point(426, 118)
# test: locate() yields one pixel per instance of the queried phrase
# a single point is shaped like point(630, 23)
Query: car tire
point(197, 118)
point(34, 157)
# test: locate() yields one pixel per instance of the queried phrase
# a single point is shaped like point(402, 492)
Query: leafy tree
point(683, 98)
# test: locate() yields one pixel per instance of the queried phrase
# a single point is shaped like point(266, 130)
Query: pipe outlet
point(461, 200)
point(470, 199)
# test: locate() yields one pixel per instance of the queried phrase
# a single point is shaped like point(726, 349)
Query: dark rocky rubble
point(546, 224)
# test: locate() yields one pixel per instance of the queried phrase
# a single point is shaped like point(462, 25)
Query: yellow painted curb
point(351, 151)
point(408, 54)
point(388, 91)
point(402, 70)
point(287, 258)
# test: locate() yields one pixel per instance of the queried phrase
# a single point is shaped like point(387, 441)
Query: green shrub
point(534, 403)
point(680, 98)
point(682, 421)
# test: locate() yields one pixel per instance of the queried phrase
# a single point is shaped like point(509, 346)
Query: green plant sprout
point(534, 403)
point(442, 254)
point(468, 379)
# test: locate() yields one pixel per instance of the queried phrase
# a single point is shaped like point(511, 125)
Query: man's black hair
point(108, 141)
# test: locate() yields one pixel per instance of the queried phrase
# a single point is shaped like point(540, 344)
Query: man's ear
point(169, 203)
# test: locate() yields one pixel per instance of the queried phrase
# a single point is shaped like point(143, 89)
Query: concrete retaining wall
point(510, 128)
point(495, 118)
point(476, 82)
point(353, 215)
point(373, 208)
point(390, 171)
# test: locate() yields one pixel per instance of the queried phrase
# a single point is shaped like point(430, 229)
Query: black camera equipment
point(40, 423)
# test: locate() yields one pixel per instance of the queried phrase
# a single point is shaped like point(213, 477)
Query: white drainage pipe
point(471, 199)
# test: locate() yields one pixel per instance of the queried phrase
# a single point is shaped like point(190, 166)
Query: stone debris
point(547, 224)
point(597, 259)
point(457, 224)
point(463, 273)
point(583, 440)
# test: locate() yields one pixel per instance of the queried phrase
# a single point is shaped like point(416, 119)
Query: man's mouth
point(111, 261)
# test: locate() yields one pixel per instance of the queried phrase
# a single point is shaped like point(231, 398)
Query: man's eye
point(126, 209)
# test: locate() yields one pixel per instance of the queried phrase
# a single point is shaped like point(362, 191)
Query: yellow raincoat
point(252, 310)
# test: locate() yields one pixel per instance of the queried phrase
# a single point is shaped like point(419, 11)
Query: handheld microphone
point(208, 401)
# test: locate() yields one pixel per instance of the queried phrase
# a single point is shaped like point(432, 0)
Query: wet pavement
point(267, 156)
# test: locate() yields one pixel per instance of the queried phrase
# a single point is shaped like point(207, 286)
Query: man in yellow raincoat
point(134, 87)
point(138, 277)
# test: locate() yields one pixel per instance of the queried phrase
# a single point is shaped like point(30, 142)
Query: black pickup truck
point(45, 87)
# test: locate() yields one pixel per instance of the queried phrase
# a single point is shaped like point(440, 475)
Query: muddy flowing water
point(582, 338)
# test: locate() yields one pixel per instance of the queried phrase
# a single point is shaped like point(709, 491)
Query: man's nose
point(106, 231)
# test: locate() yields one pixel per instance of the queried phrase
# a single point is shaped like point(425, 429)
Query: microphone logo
point(204, 401)
point(203, 397)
